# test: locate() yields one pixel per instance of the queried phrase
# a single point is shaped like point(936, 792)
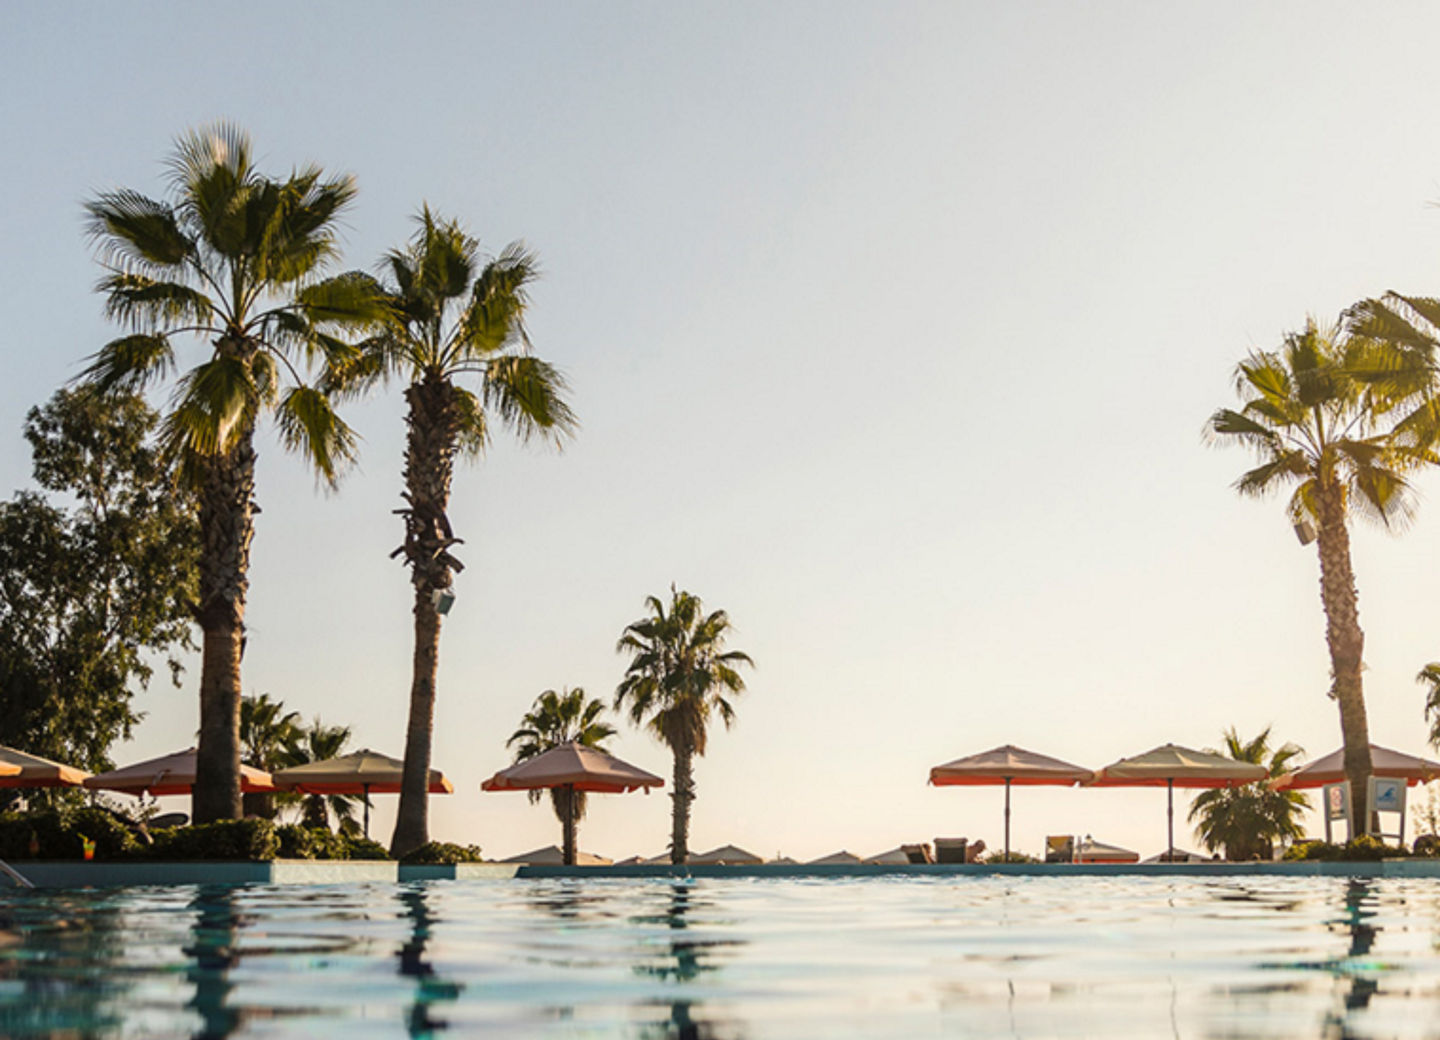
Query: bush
point(299, 842)
point(442, 853)
point(364, 848)
point(1427, 845)
point(249, 839)
point(1013, 857)
point(61, 834)
point(1364, 849)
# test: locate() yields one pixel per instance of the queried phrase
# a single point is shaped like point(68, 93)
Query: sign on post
point(1336, 801)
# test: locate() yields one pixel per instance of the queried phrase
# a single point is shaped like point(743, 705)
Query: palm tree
point(319, 743)
point(1316, 423)
point(562, 718)
point(1430, 676)
point(1247, 820)
point(266, 735)
point(232, 258)
point(454, 319)
point(679, 675)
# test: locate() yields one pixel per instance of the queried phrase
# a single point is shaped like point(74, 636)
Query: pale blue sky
point(892, 329)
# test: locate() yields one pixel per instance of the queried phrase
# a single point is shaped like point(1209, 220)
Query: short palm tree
point(267, 733)
point(679, 676)
point(454, 319)
point(319, 743)
point(1247, 820)
point(233, 258)
point(1318, 425)
point(562, 718)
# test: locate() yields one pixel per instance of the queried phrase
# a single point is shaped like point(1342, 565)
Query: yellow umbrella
point(19, 769)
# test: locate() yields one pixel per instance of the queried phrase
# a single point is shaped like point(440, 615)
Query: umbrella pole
point(1169, 819)
point(1007, 819)
point(365, 793)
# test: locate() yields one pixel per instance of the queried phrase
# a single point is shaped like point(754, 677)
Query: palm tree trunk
point(429, 466)
point(681, 798)
point(567, 824)
point(1347, 646)
point(227, 511)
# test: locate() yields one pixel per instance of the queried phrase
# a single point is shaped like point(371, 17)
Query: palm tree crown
point(680, 675)
point(1248, 819)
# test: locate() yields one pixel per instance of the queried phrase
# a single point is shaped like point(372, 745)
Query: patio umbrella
point(728, 855)
point(576, 768)
point(169, 774)
point(1171, 765)
point(1091, 851)
point(19, 769)
point(362, 772)
point(1395, 765)
point(1009, 765)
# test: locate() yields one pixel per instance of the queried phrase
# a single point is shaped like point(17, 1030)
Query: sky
point(891, 329)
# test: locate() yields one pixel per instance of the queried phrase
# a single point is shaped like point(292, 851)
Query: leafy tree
point(679, 675)
point(562, 718)
point(268, 734)
point(232, 259)
point(90, 594)
point(318, 742)
point(454, 320)
point(1247, 820)
point(1319, 424)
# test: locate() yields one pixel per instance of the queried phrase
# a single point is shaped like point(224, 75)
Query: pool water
point(730, 958)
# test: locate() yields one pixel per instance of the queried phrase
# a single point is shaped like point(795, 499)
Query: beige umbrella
point(551, 856)
point(728, 855)
point(1384, 762)
point(362, 772)
point(18, 769)
point(1170, 766)
point(1009, 765)
point(169, 774)
point(577, 768)
point(1091, 851)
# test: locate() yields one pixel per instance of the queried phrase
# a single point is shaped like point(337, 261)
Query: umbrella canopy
point(1009, 765)
point(1091, 851)
point(360, 772)
point(728, 855)
point(169, 774)
point(18, 769)
point(573, 765)
point(1171, 766)
point(1395, 765)
point(837, 859)
point(551, 856)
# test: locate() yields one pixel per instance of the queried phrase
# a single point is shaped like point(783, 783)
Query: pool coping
point(75, 874)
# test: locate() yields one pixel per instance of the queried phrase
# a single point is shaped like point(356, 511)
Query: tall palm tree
point(267, 733)
point(318, 742)
point(679, 675)
point(1247, 820)
point(1430, 676)
point(562, 718)
point(456, 319)
point(1318, 424)
point(233, 259)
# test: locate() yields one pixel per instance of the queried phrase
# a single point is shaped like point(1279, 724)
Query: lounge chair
point(1060, 848)
point(917, 853)
point(950, 850)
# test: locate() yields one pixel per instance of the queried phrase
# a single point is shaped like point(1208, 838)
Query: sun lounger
point(1060, 848)
point(917, 853)
point(950, 850)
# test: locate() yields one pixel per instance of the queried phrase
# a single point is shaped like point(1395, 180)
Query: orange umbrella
point(1395, 765)
point(576, 766)
point(18, 769)
point(1009, 765)
point(1171, 765)
point(169, 774)
point(361, 772)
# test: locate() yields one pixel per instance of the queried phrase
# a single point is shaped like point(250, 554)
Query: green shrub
point(365, 848)
point(60, 834)
point(1013, 857)
point(1427, 845)
point(1364, 849)
point(442, 853)
point(249, 839)
point(300, 842)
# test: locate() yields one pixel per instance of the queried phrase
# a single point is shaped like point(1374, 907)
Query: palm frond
point(130, 363)
point(136, 233)
point(308, 424)
point(529, 396)
point(214, 404)
point(147, 303)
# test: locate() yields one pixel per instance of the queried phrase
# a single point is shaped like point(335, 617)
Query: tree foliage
point(96, 583)
point(1247, 820)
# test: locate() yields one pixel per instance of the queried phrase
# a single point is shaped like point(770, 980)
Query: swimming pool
point(730, 958)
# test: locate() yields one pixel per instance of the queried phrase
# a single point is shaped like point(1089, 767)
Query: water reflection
point(688, 957)
point(430, 988)
point(57, 964)
point(1358, 915)
point(211, 953)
